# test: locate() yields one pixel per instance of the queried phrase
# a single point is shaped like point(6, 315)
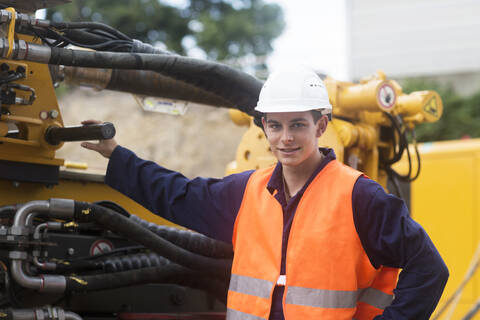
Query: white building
point(437, 39)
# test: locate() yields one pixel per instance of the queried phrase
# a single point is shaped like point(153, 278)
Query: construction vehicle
point(74, 248)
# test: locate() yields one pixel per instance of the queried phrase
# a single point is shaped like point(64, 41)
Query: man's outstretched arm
point(206, 205)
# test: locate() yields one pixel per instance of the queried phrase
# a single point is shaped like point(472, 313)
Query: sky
point(314, 36)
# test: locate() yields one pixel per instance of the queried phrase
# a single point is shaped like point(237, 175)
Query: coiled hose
point(189, 240)
point(88, 212)
point(132, 262)
point(171, 273)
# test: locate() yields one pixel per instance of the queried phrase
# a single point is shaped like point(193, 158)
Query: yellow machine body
point(445, 200)
point(79, 186)
point(32, 120)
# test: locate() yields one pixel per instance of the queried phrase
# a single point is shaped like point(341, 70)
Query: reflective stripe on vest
point(319, 298)
point(252, 286)
point(238, 315)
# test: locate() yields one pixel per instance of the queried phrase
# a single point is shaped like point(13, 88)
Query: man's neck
point(295, 177)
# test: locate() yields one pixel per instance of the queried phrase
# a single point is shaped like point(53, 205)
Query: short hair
point(316, 114)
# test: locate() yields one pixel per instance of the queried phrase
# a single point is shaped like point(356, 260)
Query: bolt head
point(53, 114)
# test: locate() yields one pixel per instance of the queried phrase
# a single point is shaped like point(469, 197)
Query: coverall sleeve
point(391, 238)
point(206, 205)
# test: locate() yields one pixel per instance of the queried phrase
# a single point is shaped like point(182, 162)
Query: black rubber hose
point(189, 240)
point(114, 206)
point(82, 36)
point(166, 274)
point(239, 88)
point(76, 266)
point(150, 83)
point(132, 262)
point(90, 25)
point(8, 211)
point(109, 219)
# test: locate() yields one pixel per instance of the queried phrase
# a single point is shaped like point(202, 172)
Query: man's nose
point(287, 136)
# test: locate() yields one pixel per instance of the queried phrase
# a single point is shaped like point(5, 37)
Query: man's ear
point(321, 124)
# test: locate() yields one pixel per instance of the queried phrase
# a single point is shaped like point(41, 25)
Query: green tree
point(461, 115)
point(223, 29)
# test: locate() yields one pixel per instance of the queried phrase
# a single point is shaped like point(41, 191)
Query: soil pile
point(200, 143)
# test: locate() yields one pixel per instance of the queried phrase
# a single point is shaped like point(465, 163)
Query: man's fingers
point(90, 146)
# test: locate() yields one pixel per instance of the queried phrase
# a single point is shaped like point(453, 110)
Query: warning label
point(431, 107)
point(386, 96)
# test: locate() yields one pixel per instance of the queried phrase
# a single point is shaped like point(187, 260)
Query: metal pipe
point(21, 215)
point(29, 219)
point(42, 283)
point(72, 316)
point(60, 208)
point(23, 279)
point(44, 265)
point(39, 229)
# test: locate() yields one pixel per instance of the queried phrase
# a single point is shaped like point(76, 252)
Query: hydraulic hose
point(8, 211)
point(149, 83)
point(166, 273)
point(142, 82)
point(189, 240)
point(132, 262)
point(237, 87)
point(87, 212)
point(91, 25)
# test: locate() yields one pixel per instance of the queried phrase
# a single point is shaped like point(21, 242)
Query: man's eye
point(298, 125)
point(274, 126)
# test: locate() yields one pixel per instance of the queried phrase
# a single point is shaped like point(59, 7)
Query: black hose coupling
point(54, 135)
point(84, 211)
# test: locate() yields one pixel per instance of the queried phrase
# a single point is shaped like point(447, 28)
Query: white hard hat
point(293, 90)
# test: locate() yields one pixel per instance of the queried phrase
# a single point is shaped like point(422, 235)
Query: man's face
point(293, 135)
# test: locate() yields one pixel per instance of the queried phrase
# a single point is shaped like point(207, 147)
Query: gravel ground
point(199, 143)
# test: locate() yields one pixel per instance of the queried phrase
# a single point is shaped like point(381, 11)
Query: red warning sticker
point(386, 96)
point(100, 246)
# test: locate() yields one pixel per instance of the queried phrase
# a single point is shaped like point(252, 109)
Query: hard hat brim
point(291, 108)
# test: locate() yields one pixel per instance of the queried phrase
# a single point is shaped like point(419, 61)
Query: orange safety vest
point(328, 274)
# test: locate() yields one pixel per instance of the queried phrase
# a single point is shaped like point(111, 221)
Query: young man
point(313, 239)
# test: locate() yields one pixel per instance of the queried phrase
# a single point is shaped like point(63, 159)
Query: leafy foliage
point(461, 115)
point(223, 29)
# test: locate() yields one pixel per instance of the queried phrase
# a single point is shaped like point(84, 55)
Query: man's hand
point(104, 147)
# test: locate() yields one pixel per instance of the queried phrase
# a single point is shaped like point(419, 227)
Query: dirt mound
point(199, 143)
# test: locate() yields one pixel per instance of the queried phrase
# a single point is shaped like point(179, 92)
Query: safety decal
point(431, 107)
point(100, 246)
point(386, 96)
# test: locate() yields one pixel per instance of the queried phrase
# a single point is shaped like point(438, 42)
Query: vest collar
point(276, 180)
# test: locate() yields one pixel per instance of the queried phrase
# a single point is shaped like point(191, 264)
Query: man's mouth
point(289, 150)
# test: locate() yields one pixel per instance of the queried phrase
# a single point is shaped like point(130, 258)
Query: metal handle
point(55, 135)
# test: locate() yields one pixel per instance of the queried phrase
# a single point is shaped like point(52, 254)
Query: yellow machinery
point(445, 200)
point(369, 131)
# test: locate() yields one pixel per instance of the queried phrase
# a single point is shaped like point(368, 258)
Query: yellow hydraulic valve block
point(421, 106)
